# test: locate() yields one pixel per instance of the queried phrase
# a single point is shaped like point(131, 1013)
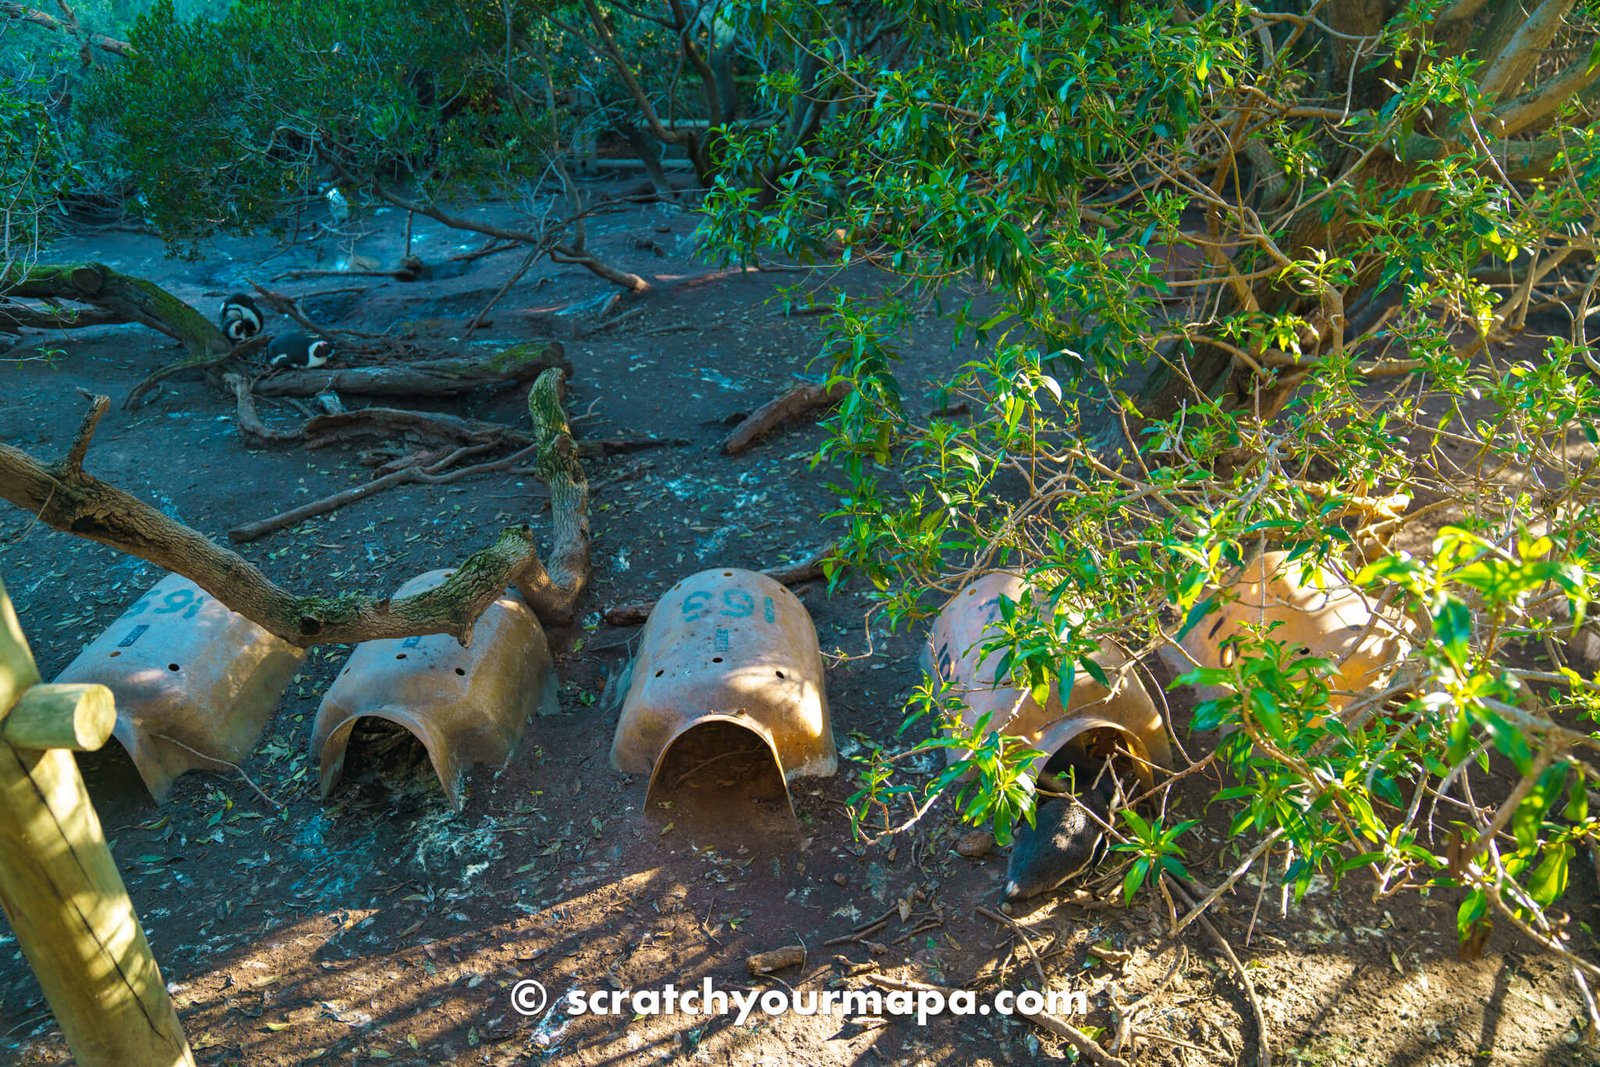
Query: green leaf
point(1134, 879)
point(1264, 706)
point(1452, 622)
point(1549, 880)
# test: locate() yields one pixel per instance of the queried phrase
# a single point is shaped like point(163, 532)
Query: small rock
point(840, 880)
point(976, 844)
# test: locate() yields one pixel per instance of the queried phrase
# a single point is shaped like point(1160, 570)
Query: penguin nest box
point(1093, 716)
point(727, 690)
point(195, 683)
point(466, 705)
point(1313, 610)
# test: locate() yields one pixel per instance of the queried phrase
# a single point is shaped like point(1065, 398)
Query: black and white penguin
point(1065, 842)
point(297, 351)
point(240, 318)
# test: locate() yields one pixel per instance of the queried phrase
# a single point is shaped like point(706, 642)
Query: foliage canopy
point(1247, 277)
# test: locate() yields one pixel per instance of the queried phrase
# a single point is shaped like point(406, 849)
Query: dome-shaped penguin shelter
point(1311, 608)
point(1095, 717)
point(726, 695)
point(467, 705)
point(195, 684)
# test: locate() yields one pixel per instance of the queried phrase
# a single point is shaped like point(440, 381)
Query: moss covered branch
point(133, 299)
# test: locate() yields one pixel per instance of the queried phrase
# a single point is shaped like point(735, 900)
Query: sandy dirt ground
point(381, 926)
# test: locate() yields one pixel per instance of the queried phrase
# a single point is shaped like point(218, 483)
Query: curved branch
point(1534, 108)
point(1507, 70)
point(66, 498)
point(134, 299)
point(13, 12)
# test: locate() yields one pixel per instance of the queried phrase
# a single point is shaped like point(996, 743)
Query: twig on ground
point(1264, 1054)
point(808, 569)
point(262, 793)
point(803, 398)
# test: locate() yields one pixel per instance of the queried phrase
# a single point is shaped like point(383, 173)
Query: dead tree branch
point(134, 299)
point(155, 377)
point(803, 398)
point(437, 377)
point(64, 497)
point(807, 570)
point(67, 24)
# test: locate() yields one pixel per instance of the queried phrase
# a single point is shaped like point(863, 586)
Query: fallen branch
point(249, 422)
point(808, 569)
point(160, 374)
point(324, 430)
point(435, 377)
point(803, 398)
point(15, 316)
point(64, 497)
point(415, 472)
point(135, 299)
point(599, 448)
point(410, 269)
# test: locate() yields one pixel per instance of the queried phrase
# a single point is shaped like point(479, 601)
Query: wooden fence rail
point(59, 887)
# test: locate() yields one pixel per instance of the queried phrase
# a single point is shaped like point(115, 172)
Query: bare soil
point(380, 926)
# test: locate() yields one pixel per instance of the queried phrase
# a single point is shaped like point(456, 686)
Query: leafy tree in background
point(33, 171)
point(1244, 276)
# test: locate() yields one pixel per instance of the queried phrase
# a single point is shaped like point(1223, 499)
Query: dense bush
point(34, 171)
point(1245, 277)
point(275, 96)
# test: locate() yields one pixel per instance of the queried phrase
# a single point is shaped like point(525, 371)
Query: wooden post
point(59, 886)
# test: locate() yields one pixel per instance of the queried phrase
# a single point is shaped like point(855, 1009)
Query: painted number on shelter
point(179, 600)
point(733, 604)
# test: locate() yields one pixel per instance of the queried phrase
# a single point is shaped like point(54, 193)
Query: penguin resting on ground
point(1064, 841)
point(239, 318)
point(297, 351)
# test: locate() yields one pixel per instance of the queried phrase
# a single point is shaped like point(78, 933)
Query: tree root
point(66, 498)
point(807, 570)
point(804, 397)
